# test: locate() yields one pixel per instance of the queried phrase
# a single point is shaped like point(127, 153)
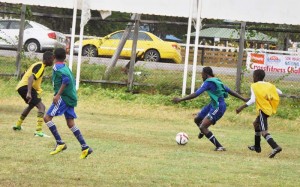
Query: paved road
point(159, 65)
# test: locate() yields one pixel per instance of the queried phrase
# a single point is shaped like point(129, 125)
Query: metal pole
point(240, 58)
point(73, 35)
point(20, 42)
point(133, 52)
point(187, 50)
point(198, 28)
point(117, 53)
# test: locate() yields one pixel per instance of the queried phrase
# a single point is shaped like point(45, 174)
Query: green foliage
point(158, 86)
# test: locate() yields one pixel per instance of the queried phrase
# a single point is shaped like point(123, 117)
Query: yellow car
point(150, 46)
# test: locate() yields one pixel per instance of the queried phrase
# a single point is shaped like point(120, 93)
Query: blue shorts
point(60, 109)
point(213, 114)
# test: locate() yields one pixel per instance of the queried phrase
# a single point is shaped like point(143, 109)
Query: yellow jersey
point(37, 70)
point(266, 97)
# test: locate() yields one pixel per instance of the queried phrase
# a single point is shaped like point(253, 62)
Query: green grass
point(162, 81)
point(133, 137)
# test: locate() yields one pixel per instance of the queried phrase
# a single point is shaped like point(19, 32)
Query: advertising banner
point(274, 63)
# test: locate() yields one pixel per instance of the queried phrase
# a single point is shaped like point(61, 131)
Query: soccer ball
point(182, 138)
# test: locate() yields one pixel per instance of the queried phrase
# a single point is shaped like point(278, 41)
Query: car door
point(5, 36)
point(110, 44)
point(144, 42)
point(13, 33)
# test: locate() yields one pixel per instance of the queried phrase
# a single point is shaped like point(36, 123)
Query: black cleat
point(275, 151)
point(254, 148)
point(200, 135)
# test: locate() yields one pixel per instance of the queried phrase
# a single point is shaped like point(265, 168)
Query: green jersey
point(61, 73)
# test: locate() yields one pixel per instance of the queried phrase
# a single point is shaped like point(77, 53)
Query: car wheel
point(32, 46)
point(89, 51)
point(152, 55)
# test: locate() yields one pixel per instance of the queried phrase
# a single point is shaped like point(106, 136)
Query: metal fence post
point(133, 52)
point(20, 43)
point(240, 58)
point(117, 53)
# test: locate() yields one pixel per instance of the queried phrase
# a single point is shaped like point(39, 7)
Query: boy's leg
point(70, 115)
point(18, 125)
point(212, 117)
point(86, 150)
point(264, 128)
point(199, 118)
point(257, 136)
point(40, 115)
point(55, 110)
point(209, 135)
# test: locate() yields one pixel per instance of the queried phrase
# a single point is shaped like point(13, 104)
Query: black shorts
point(35, 98)
point(262, 121)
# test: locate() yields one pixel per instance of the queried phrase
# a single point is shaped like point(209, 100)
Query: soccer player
point(212, 112)
point(266, 98)
point(64, 101)
point(30, 89)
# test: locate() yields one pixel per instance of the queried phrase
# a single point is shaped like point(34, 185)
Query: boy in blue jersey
point(212, 112)
point(64, 101)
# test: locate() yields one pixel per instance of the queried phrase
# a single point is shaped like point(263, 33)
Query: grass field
point(134, 145)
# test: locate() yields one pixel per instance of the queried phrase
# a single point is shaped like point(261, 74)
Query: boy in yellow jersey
point(266, 98)
point(29, 88)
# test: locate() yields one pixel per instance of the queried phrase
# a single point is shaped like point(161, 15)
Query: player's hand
point(238, 110)
point(28, 97)
point(55, 99)
point(176, 100)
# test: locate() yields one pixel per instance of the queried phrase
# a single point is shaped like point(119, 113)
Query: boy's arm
point(238, 110)
point(58, 94)
point(191, 96)
point(65, 82)
point(279, 91)
point(204, 87)
point(29, 88)
point(235, 94)
point(249, 102)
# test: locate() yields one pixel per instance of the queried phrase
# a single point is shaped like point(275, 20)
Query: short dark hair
point(208, 71)
point(47, 55)
point(259, 74)
point(60, 54)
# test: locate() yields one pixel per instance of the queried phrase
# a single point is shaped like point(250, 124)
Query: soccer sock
point(257, 138)
point(40, 121)
point(213, 139)
point(79, 137)
point(54, 131)
point(20, 120)
point(270, 141)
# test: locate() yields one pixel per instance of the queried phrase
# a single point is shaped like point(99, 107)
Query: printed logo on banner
point(257, 58)
point(273, 58)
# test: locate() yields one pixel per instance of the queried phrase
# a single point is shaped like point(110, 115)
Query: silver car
point(36, 37)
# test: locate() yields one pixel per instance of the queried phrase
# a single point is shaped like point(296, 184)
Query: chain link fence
point(161, 52)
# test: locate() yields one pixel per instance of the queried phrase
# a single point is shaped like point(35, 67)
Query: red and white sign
point(273, 62)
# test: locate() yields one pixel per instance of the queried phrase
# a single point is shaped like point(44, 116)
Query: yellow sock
point(20, 120)
point(40, 121)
